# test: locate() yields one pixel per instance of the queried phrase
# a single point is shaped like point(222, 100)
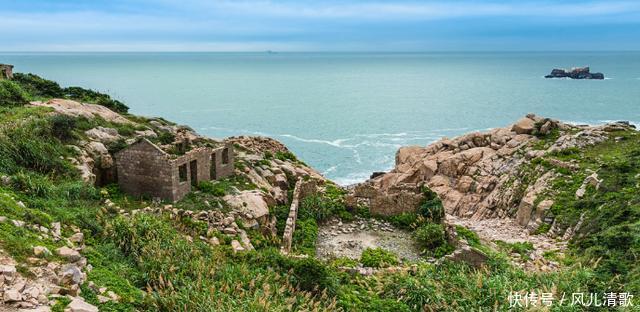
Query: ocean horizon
point(346, 113)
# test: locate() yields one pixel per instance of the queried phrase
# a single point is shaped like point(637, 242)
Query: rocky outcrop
point(77, 109)
point(484, 175)
point(575, 73)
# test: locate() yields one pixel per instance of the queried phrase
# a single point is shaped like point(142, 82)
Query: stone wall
point(224, 169)
point(396, 200)
point(301, 190)
point(144, 169)
point(6, 71)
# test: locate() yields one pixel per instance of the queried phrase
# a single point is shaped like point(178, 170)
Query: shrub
point(11, 94)
point(215, 189)
point(521, 248)
point(405, 220)
point(90, 96)
point(305, 236)
point(313, 275)
point(32, 146)
point(38, 86)
point(378, 258)
point(166, 137)
point(62, 127)
point(431, 235)
point(285, 156)
point(470, 236)
point(431, 207)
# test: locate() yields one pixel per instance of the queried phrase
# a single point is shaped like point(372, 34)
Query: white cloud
point(429, 10)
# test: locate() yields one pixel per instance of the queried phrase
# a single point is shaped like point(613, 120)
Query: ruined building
point(145, 169)
point(6, 71)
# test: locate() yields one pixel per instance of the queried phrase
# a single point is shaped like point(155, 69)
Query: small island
point(575, 73)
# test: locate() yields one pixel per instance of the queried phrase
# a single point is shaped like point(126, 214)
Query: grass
point(378, 258)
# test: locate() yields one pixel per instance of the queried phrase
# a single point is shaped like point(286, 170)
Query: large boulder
point(253, 203)
point(524, 126)
point(79, 305)
point(103, 135)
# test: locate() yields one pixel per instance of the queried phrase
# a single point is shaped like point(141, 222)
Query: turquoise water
point(347, 113)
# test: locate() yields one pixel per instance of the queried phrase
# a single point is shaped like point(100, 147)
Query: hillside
point(72, 240)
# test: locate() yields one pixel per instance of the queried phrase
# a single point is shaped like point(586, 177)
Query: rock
point(524, 126)
point(17, 223)
point(71, 274)
point(77, 238)
point(469, 255)
point(113, 296)
point(77, 109)
point(236, 246)
point(68, 253)
point(253, 202)
point(103, 135)
point(12, 295)
point(246, 243)
point(41, 251)
point(79, 305)
point(103, 299)
point(55, 229)
point(146, 134)
point(230, 231)
point(96, 148)
point(8, 272)
point(575, 73)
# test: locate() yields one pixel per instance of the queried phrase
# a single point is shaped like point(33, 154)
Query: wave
point(336, 143)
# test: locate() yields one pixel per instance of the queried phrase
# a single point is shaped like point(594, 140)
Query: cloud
point(428, 10)
point(255, 25)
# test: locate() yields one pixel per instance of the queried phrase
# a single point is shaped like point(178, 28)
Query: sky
point(304, 25)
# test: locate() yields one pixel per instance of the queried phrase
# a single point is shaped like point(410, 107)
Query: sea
point(346, 114)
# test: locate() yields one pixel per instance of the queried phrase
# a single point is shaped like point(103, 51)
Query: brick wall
point(144, 169)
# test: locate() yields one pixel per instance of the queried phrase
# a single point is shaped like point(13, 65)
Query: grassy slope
point(150, 264)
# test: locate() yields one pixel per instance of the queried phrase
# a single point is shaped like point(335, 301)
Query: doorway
point(193, 167)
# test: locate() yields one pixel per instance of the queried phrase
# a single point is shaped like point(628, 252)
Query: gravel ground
point(337, 239)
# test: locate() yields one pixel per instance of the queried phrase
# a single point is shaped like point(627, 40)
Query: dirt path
point(491, 230)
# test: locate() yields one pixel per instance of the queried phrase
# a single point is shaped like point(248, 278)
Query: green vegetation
point(11, 94)
point(521, 248)
point(39, 88)
point(378, 258)
point(149, 262)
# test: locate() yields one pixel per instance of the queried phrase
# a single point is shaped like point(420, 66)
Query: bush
point(215, 189)
point(62, 127)
point(11, 94)
point(431, 235)
point(285, 156)
point(305, 236)
point(90, 96)
point(313, 275)
point(431, 207)
point(38, 86)
point(378, 258)
point(166, 137)
point(405, 220)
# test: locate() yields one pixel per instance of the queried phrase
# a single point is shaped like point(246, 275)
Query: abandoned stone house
point(6, 71)
point(144, 169)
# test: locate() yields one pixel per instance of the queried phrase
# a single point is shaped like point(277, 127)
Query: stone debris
point(337, 238)
point(68, 253)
